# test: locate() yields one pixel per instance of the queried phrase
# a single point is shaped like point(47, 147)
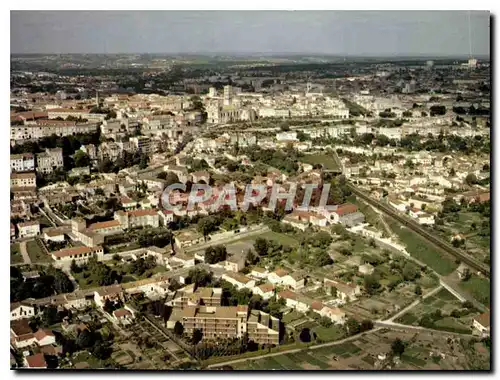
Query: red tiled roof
point(346, 208)
point(287, 294)
point(142, 212)
point(42, 333)
point(317, 305)
point(102, 225)
point(36, 361)
point(121, 313)
point(483, 319)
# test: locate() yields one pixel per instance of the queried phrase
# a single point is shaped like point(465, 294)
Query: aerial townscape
point(250, 212)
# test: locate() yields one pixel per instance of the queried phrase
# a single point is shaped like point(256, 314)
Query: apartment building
point(142, 144)
point(23, 180)
point(216, 322)
point(187, 297)
point(24, 162)
point(49, 160)
point(263, 328)
point(46, 128)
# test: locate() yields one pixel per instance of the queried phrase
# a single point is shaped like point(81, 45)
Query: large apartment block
point(24, 162)
point(202, 296)
point(201, 309)
point(216, 322)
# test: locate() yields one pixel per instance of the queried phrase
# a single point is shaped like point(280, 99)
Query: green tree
point(410, 271)
point(397, 347)
point(418, 290)
point(366, 325)
point(261, 246)
point(305, 335)
point(178, 329)
point(197, 336)
point(81, 159)
point(471, 179)
point(372, 283)
point(353, 327)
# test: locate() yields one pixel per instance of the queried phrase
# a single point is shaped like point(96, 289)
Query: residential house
point(28, 229)
point(239, 280)
point(35, 361)
point(482, 323)
point(111, 292)
point(366, 269)
point(345, 292)
point(23, 162)
point(23, 180)
point(124, 316)
point(266, 291)
point(294, 300)
point(20, 310)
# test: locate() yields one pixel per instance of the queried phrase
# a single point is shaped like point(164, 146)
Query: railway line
point(431, 238)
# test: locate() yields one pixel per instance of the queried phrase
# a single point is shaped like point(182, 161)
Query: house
point(294, 301)
point(21, 334)
point(44, 337)
point(128, 204)
point(123, 316)
point(35, 361)
point(19, 310)
point(166, 216)
point(239, 280)
point(28, 229)
point(345, 292)
point(235, 263)
point(258, 272)
point(54, 233)
point(348, 214)
point(277, 276)
point(398, 205)
point(266, 291)
point(111, 292)
point(366, 269)
point(482, 323)
point(186, 260)
point(138, 218)
point(336, 315)
point(295, 281)
point(106, 228)
point(200, 176)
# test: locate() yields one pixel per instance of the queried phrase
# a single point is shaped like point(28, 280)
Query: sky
point(375, 33)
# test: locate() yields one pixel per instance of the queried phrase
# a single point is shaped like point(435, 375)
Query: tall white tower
point(228, 95)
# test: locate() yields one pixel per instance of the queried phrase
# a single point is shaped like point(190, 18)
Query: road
point(399, 326)
point(294, 350)
point(24, 252)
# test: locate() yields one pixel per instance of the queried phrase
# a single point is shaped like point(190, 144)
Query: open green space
point(326, 160)
point(479, 288)
point(15, 254)
point(420, 249)
point(280, 238)
point(328, 334)
point(36, 252)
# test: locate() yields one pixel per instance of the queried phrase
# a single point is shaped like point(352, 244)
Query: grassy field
point(479, 288)
point(326, 160)
point(280, 238)
point(445, 302)
point(36, 253)
point(15, 254)
point(422, 250)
